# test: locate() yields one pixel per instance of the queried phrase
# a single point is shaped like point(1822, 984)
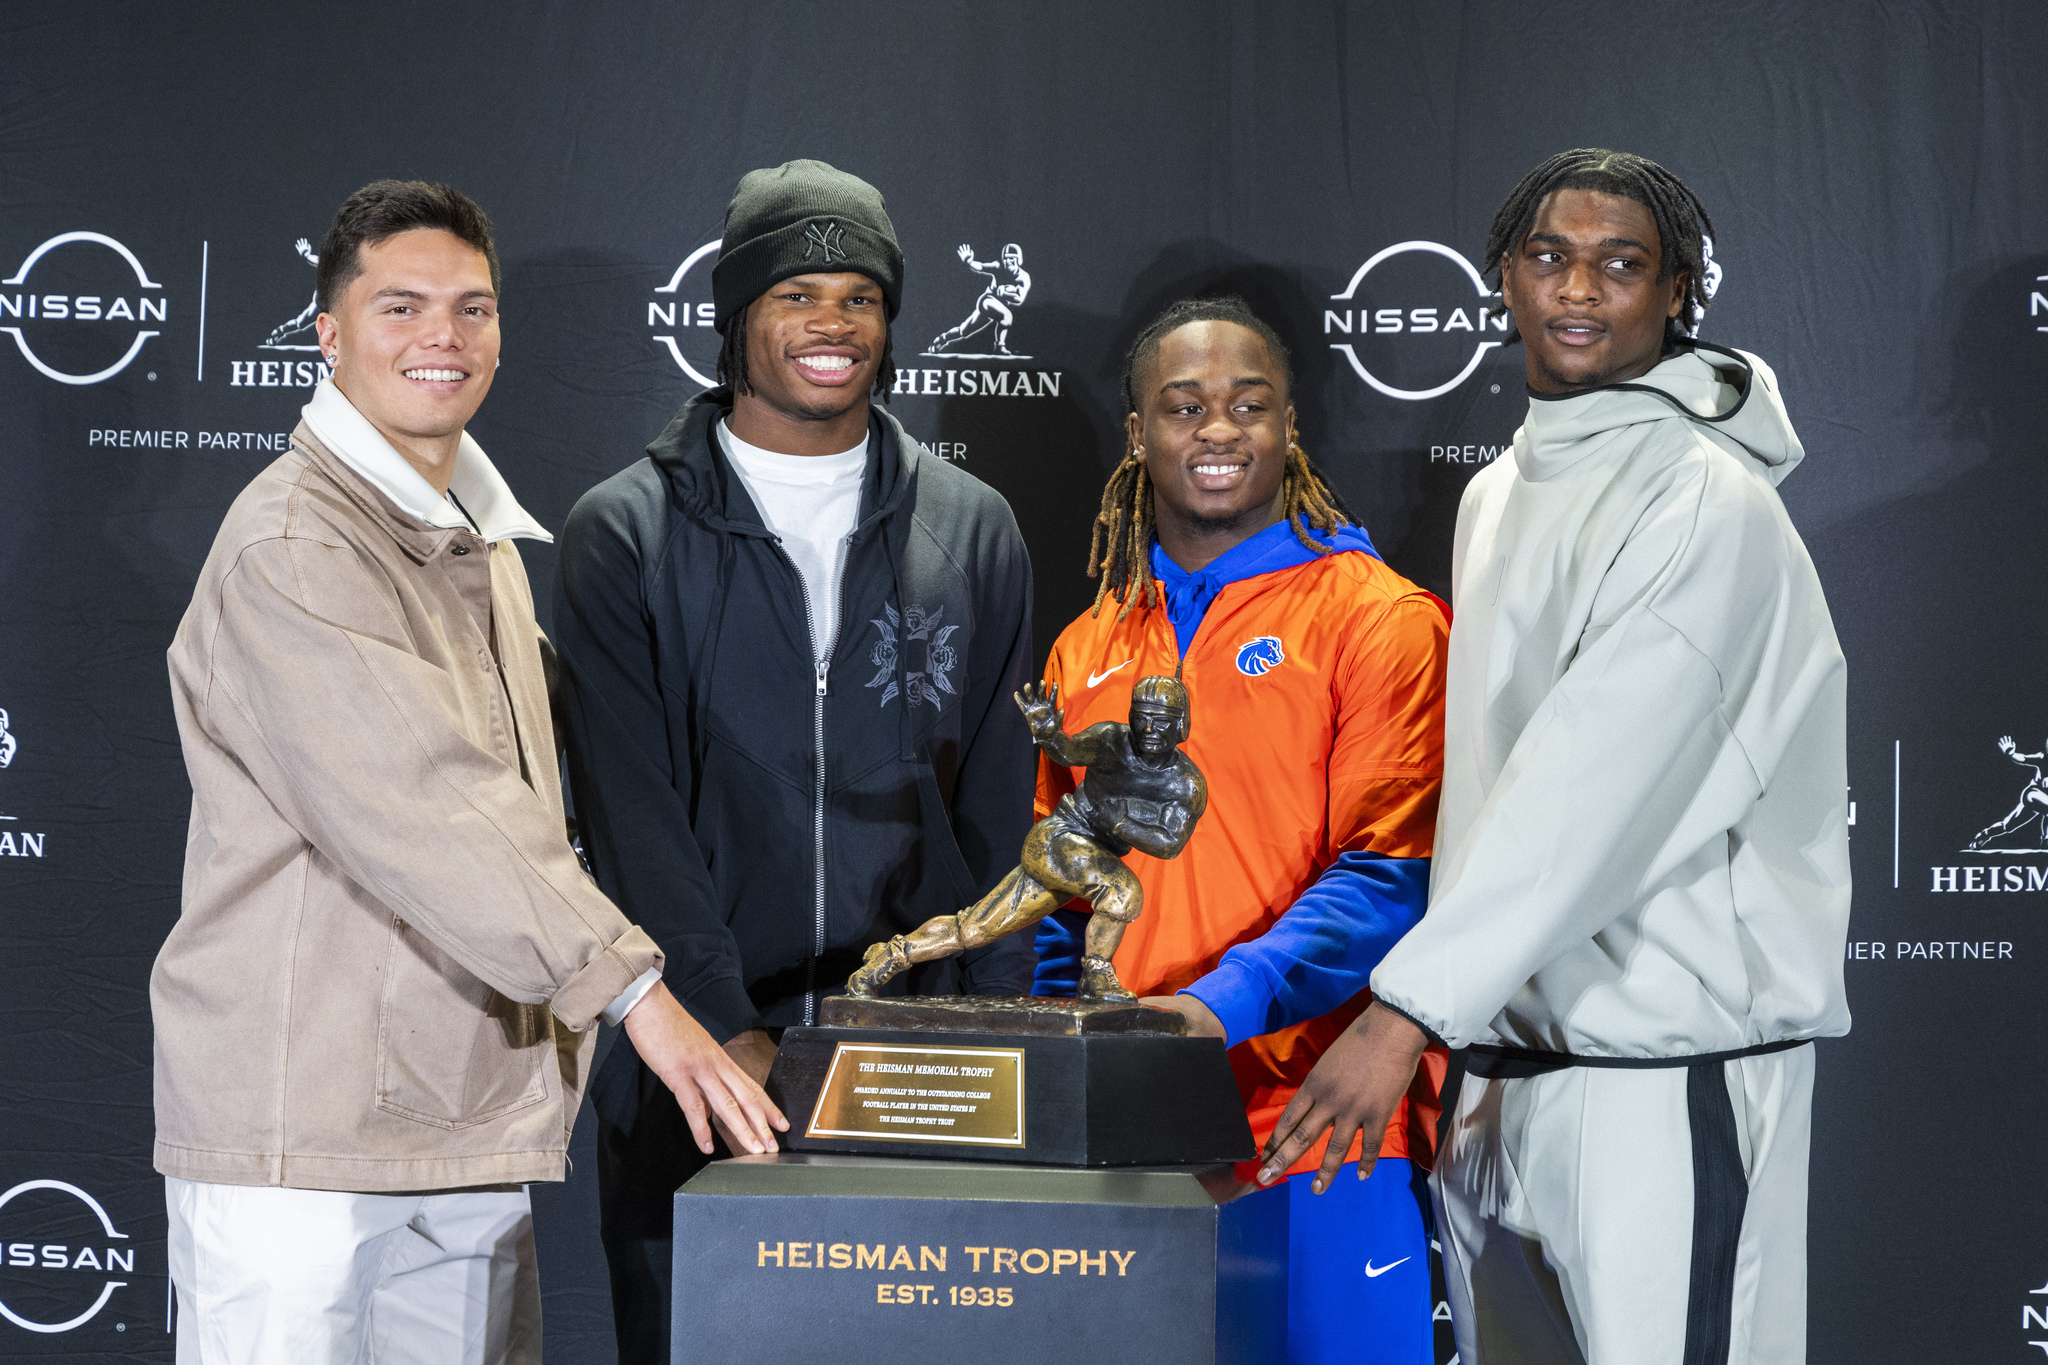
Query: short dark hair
point(1683, 227)
point(1224, 308)
point(384, 208)
point(1120, 544)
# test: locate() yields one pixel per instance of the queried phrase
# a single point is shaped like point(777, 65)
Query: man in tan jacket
point(374, 1014)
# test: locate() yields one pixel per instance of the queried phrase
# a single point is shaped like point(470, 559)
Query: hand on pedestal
point(709, 1084)
point(754, 1052)
point(1202, 1021)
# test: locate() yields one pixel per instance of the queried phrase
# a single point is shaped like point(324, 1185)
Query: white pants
point(267, 1276)
point(1567, 1211)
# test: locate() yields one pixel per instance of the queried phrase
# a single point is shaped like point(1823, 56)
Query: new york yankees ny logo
point(829, 238)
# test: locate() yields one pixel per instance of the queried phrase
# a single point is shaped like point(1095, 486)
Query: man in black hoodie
point(791, 638)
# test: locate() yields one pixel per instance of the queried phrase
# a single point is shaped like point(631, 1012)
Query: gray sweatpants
point(1595, 1216)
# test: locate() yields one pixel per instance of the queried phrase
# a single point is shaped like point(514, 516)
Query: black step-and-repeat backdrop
point(1875, 171)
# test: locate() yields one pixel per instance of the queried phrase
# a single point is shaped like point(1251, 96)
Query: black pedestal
point(1048, 1082)
point(854, 1260)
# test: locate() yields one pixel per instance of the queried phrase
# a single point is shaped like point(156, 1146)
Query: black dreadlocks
point(1682, 222)
point(732, 358)
point(1120, 546)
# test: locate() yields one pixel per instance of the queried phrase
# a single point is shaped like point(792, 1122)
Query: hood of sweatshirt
point(702, 482)
point(705, 487)
point(1730, 394)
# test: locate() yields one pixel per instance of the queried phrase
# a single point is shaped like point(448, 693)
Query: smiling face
point(1154, 729)
point(1212, 422)
point(1584, 290)
point(814, 344)
point(417, 338)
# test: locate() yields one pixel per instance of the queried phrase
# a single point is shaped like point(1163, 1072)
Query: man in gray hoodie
point(1637, 914)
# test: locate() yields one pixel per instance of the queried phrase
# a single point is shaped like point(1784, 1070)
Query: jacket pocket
point(451, 1051)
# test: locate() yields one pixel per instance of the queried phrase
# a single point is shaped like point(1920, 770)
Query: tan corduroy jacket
point(389, 961)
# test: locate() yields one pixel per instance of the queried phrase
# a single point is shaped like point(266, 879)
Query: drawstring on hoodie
point(1741, 387)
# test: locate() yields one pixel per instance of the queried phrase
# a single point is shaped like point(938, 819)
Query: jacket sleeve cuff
point(616, 1012)
point(584, 996)
point(723, 1007)
point(1238, 996)
point(1436, 1033)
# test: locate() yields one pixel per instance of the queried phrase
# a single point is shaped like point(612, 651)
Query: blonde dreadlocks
point(1120, 546)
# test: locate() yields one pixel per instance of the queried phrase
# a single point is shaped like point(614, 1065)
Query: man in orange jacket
point(1316, 678)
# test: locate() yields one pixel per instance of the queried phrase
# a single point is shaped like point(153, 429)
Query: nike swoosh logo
point(1096, 678)
point(1372, 1274)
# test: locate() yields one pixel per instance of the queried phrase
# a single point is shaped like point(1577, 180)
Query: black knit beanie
point(799, 217)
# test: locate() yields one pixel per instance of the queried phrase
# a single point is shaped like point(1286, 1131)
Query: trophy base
point(1021, 1079)
point(1080, 1267)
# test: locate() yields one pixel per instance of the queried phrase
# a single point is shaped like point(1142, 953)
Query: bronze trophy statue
point(1140, 792)
point(1096, 1081)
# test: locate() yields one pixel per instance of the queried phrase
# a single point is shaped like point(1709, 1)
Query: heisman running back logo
point(295, 333)
point(2030, 809)
point(1256, 658)
point(7, 748)
point(1009, 283)
point(15, 843)
point(282, 336)
point(940, 658)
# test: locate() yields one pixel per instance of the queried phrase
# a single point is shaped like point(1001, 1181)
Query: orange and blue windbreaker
point(1316, 685)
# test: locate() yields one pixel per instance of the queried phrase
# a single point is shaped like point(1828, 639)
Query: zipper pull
point(822, 666)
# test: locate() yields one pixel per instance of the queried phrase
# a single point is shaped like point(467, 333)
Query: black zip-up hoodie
point(763, 819)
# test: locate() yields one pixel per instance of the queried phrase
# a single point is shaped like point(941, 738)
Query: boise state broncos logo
point(1256, 658)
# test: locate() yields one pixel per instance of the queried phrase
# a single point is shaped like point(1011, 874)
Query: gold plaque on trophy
point(923, 1094)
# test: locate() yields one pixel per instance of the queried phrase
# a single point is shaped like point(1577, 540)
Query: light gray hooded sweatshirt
point(1642, 849)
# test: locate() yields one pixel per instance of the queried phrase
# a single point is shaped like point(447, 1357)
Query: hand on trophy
point(2005, 744)
point(965, 253)
point(1040, 703)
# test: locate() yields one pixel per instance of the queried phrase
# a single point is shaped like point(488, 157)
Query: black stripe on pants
point(1720, 1193)
point(1720, 1184)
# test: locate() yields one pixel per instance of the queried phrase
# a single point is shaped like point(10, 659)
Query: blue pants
point(1358, 1270)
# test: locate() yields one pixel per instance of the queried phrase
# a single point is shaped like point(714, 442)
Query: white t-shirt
point(810, 503)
